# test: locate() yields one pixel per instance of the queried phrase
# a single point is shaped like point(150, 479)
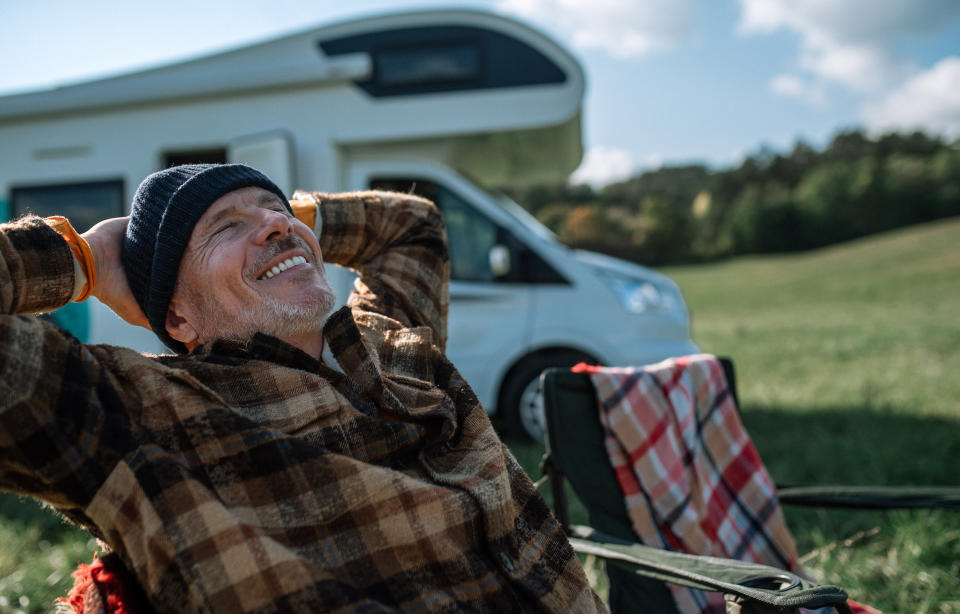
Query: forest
point(772, 202)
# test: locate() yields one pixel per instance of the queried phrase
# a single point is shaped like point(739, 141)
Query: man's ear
point(179, 326)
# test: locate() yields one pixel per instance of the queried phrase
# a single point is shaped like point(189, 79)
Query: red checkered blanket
point(692, 479)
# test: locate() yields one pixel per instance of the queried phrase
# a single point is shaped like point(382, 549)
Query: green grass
point(847, 361)
point(847, 364)
point(38, 553)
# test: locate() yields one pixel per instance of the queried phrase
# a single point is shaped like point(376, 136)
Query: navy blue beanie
point(165, 209)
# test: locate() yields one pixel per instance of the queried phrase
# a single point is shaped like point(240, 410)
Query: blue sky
point(669, 81)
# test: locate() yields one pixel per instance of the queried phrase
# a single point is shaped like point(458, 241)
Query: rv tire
point(520, 403)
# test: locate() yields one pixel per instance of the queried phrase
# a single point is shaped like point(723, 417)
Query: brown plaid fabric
point(253, 478)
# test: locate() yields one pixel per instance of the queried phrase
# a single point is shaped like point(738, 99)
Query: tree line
point(771, 202)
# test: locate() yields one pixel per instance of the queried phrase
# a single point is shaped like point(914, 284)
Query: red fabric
point(82, 581)
point(110, 580)
point(582, 367)
point(691, 478)
point(859, 608)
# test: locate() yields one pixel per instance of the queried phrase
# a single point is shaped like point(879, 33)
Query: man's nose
point(274, 225)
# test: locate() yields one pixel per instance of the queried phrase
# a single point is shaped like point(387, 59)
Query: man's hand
point(106, 244)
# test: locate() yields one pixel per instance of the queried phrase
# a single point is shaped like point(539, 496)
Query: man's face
point(249, 267)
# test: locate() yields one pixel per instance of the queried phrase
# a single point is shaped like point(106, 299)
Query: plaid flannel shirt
point(252, 477)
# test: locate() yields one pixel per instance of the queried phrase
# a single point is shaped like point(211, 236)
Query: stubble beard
point(282, 319)
point(269, 315)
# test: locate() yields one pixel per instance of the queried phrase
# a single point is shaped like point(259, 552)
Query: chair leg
point(550, 469)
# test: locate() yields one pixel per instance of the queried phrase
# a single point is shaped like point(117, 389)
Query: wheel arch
point(541, 352)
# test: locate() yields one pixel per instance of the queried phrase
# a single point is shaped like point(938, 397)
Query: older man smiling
point(285, 458)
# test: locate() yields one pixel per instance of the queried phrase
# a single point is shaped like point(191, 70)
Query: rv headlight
point(640, 295)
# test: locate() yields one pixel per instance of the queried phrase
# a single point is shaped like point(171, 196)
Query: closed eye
point(223, 228)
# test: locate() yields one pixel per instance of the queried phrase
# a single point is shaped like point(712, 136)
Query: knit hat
point(165, 209)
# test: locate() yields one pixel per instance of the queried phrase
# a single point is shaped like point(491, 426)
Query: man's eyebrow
point(217, 217)
point(263, 200)
point(269, 199)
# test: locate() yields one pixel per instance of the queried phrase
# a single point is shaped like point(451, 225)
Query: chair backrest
point(575, 445)
point(576, 451)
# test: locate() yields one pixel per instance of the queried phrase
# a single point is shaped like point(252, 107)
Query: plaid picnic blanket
point(692, 480)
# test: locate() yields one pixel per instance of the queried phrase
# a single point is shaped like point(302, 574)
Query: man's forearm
point(398, 244)
point(42, 370)
point(37, 267)
point(356, 228)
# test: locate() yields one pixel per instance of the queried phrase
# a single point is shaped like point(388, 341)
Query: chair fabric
point(574, 436)
point(691, 479)
point(574, 452)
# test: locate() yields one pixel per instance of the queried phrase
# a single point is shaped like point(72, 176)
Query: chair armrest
point(760, 583)
point(872, 497)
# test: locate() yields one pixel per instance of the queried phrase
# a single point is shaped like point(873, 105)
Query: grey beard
point(281, 319)
point(270, 316)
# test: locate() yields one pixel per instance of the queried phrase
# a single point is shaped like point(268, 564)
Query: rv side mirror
point(500, 260)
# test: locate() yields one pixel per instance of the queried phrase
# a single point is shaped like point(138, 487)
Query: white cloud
point(652, 162)
point(807, 90)
point(929, 101)
point(624, 29)
point(604, 165)
point(852, 21)
point(860, 67)
point(850, 43)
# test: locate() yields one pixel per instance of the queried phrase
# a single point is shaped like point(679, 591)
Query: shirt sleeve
point(59, 403)
point(36, 268)
point(398, 244)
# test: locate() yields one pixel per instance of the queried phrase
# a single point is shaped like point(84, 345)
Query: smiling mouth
point(283, 266)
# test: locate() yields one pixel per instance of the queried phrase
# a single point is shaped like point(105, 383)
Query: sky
point(668, 81)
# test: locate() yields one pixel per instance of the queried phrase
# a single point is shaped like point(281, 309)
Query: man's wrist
point(305, 210)
point(84, 268)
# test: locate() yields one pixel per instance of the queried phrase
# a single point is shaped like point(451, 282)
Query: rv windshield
point(524, 217)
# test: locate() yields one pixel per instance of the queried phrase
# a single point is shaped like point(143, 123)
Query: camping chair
point(576, 451)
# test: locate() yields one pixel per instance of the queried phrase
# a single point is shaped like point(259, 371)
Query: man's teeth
point(283, 266)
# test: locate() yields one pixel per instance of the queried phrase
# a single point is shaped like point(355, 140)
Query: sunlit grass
point(847, 361)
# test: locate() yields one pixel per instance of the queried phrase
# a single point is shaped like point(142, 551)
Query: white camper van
point(444, 101)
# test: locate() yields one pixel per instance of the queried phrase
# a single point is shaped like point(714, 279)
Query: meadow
point(847, 361)
point(847, 364)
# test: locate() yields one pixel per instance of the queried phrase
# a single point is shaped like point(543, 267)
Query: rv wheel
point(520, 401)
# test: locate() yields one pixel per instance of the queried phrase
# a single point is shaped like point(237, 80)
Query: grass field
point(847, 360)
point(848, 365)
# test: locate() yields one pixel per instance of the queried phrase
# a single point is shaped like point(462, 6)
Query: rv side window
point(84, 204)
point(433, 59)
point(432, 65)
point(470, 234)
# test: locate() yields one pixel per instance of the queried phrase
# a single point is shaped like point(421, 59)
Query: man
point(282, 460)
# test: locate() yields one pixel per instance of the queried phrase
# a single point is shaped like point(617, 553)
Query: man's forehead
point(251, 196)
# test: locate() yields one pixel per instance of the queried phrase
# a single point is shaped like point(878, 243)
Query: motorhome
point(442, 102)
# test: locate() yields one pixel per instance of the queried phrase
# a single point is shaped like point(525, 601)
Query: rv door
point(490, 312)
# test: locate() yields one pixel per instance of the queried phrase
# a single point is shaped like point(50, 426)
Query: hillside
point(847, 362)
point(872, 322)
